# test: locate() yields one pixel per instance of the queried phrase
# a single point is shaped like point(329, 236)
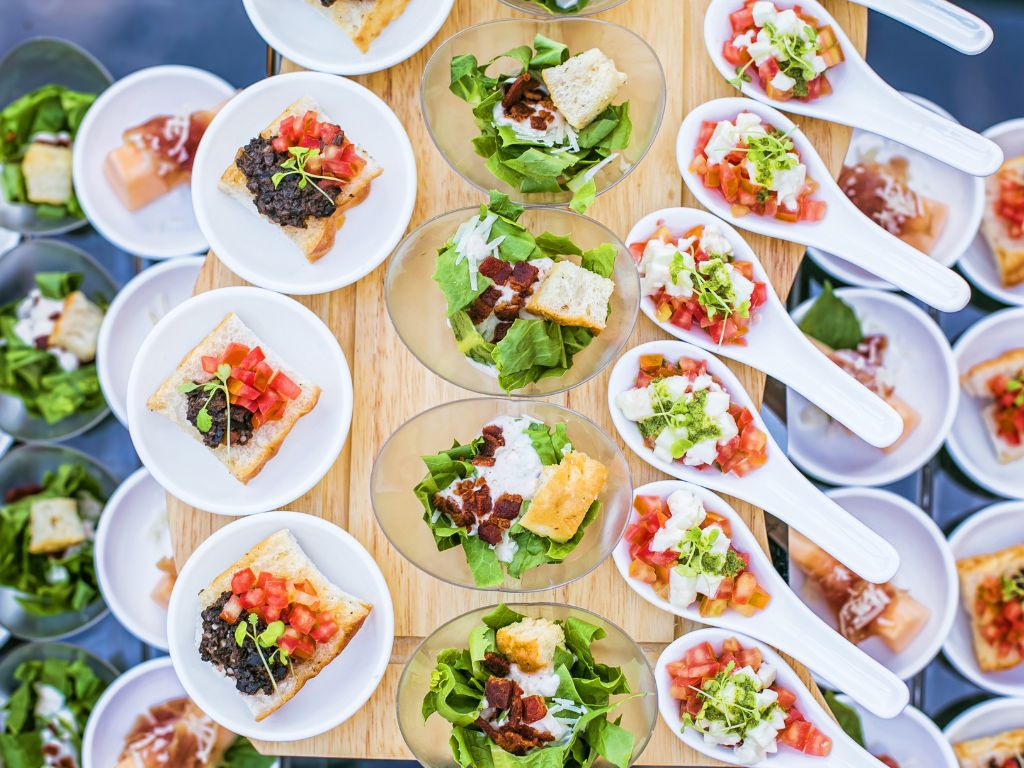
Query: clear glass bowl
point(18, 269)
point(419, 312)
point(592, 7)
point(23, 466)
point(31, 65)
point(450, 119)
point(399, 467)
point(429, 740)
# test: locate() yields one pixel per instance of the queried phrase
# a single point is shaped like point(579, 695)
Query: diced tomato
point(812, 210)
point(741, 20)
point(285, 386)
point(641, 571)
point(305, 586)
point(243, 581)
point(244, 376)
point(817, 743)
point(746, 584)
point(303, 598)
point(261, 580)
point(279, 143)
point(254, 598)
point(232, 609)
point(277, 591)
point(270, 613)
point(301, 618)
point(730, 185)
point(749, 657)
point(267, 400)
point(234, 354)
point(707, 128)
point(324, 631)
point(712, 607)
point(304, 649)
point(254, 358)
point(786, 698)
point(735, 56)
point(210, 364)
point(796, 735)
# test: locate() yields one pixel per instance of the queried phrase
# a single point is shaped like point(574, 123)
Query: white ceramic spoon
point(939, 19)
point(777, 487)
point(844, 231)
point(776, 345)
point(846, 753)
point(787, 623)
point(862, 99)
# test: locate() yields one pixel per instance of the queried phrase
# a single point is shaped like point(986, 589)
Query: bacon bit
point(524, 274)
point(482, 307)
point(496, 664)
point(534, 709)
point(508, 505)
point(496, 269)
point(515, 92)
point(500, 692)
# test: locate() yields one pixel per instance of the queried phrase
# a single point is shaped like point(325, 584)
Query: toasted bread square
point(973, 571)
point(989, 750)
point(583, 86)
point(54, 525)
point(1008, 250)
point(530, 643)
point(572, 295)
point(362, 20)
point(47, 170)
point(567, 490)
point(78, 327)
point(244, 462)
point(975, 383)
point(911, 418)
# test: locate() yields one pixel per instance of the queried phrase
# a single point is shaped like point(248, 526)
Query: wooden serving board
point(358, 318)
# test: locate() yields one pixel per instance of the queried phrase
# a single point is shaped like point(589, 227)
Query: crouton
point(572, 295)
point(583, 87)
point(567, 490)
point(530, 643)
point(47, 170)
point(54, 525)
point(78, 327)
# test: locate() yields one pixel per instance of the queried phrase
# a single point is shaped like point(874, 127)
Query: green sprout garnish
point(204, 422)
point(296, 164)
point(1017, 385)
point(1013, 587)
point(741, 76)
point(265, 639)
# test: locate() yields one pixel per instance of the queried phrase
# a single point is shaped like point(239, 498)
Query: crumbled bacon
point(500, 692)
point(493, 438)
point(496, 269)
point(524, 274)
point(534, 709)
point(508, 311)
point(508, 505)
point(482, 461)
point(483, 305)
point(490, 532)
point(496, 664)
point(517, 90)
point(500, 331)
point(514, 739)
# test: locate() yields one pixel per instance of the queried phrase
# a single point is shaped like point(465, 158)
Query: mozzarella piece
point(704, 452)
point(723, 141)
point(782, 81)
point(714, 241)
point(635, 404)
point(716, 404)
point(682, 590)
point(764, 13)
point(686, 508)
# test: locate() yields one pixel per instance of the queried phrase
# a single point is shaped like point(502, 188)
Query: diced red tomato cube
point(301, 618)
point(285, 386)
point(267, 400)
point(324, 631)
point(243, 581)
point(270, 613)
point(741, 20)
point(796, 734)
point(232, 609)
point(817, 744)
point(234, 354)
point(210, 364)
point(251, 360)
point(254, 598)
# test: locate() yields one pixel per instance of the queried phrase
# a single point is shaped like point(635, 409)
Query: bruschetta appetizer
point(992, 588)
point(1003, 221)
point(362, 20)
point(1004, 750)
point(177, 734)
point(999, 383)
point(236, 396)
point(302, 173)
point(272, 621)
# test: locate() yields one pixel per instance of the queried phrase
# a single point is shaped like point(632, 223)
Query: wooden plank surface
point(358, 318)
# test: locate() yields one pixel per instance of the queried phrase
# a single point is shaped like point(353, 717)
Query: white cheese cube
point(782, 81)
point(727, 425)
point(676, 386)
point(723, 141)
point(635, 404)
point(787, 22)
point(704, 381)
point(764, 13)
point(766, 674)
point(667, 538)
point(686, 508)
point(716, 404)
point(703, 452)
point(664, 442)
point(741, 286)
point(748, 753)
point(682, 590)
point(788, 184)
point(713, 241)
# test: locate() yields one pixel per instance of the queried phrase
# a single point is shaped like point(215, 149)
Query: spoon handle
point(850, 235)
point(939, 19)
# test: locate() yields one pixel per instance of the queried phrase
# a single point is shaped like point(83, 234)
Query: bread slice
point(975, 383)
point(583, 86)
point(78, 328)
point(244, 462)
point(530, 643)
point(973, 571)
point(990, 750)
point(566, 492)
point(47, 170)
point(54, 525)
point(281, 554)
point(1008, 250)
point(317, 237)
point(572, 295)
point(911, 418)
point(362, 20)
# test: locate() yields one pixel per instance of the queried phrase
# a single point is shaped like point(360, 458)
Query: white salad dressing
point(36, 318)
point(544, 682)
point(558, 133)
point(52, 709)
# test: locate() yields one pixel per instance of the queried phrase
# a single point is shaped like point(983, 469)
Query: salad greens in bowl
point(562, 7)
point(47, 692)
point(52, 498)
point(52, 300)
point(547, 112)
point(516, 495)
point(500, 299)
point(527, 686)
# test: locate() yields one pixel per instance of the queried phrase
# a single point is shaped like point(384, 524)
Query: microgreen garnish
point(740, 712)
point(296, 164)
point(798, 48)
point(741, 76)
point(685, 414)
point(265, 639)
point(696, 555)
point(204, 422)
point(1013, 587)
point(711, 283)
point(1017, 385)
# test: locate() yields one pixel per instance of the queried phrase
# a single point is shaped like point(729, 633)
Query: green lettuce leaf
point(554, 7)
point(600, 260)
point(832, 321)
point(57, 285)
point(242, 754)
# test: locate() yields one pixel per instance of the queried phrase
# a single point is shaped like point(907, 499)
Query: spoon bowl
point(940, 20)
point(786, 623)
point(777, 487)
point(775, 344)
point(862, 99)
point(846, 753)
point(844, 231)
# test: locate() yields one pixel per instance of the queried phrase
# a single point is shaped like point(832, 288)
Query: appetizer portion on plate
point(685, 552)
point(48, 349)
point(156, 157)
point(788, 51)
point(729, 695)
point(302, 173)
point(517, 497)
point(883, 192)
point(36, 132)
point(1004, 750)
point(1003, 221)
point(46, 541)
point(694, 278)
point(530, 687)
point(516, 302)
point(552, 126)
point(362, 20)
point(235, 396)
point(835, 328)
point(45, 716)
point(992, 587)
point(999, 384)
point(177, 734)
point(684, 414)
point(272, 621)
point(862, 609)
point(757, 169)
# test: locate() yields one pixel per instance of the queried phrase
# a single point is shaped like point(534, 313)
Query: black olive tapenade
point(241, 418)
point(286, 204)
point(241, 663)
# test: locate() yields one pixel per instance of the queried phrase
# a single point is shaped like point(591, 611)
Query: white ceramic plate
point(968, 441)
point(183, 465)
point(989, 718)
point(132, 536)
point(255, 248)
point(925, 377)
point(963, 194)
point(300, 32)
point(167, 226)
point(343, 686)
point(128, 697)
point(927, 572)
point(990, 530)
point(979, 263)
point(910, 738)
point(131, 316)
